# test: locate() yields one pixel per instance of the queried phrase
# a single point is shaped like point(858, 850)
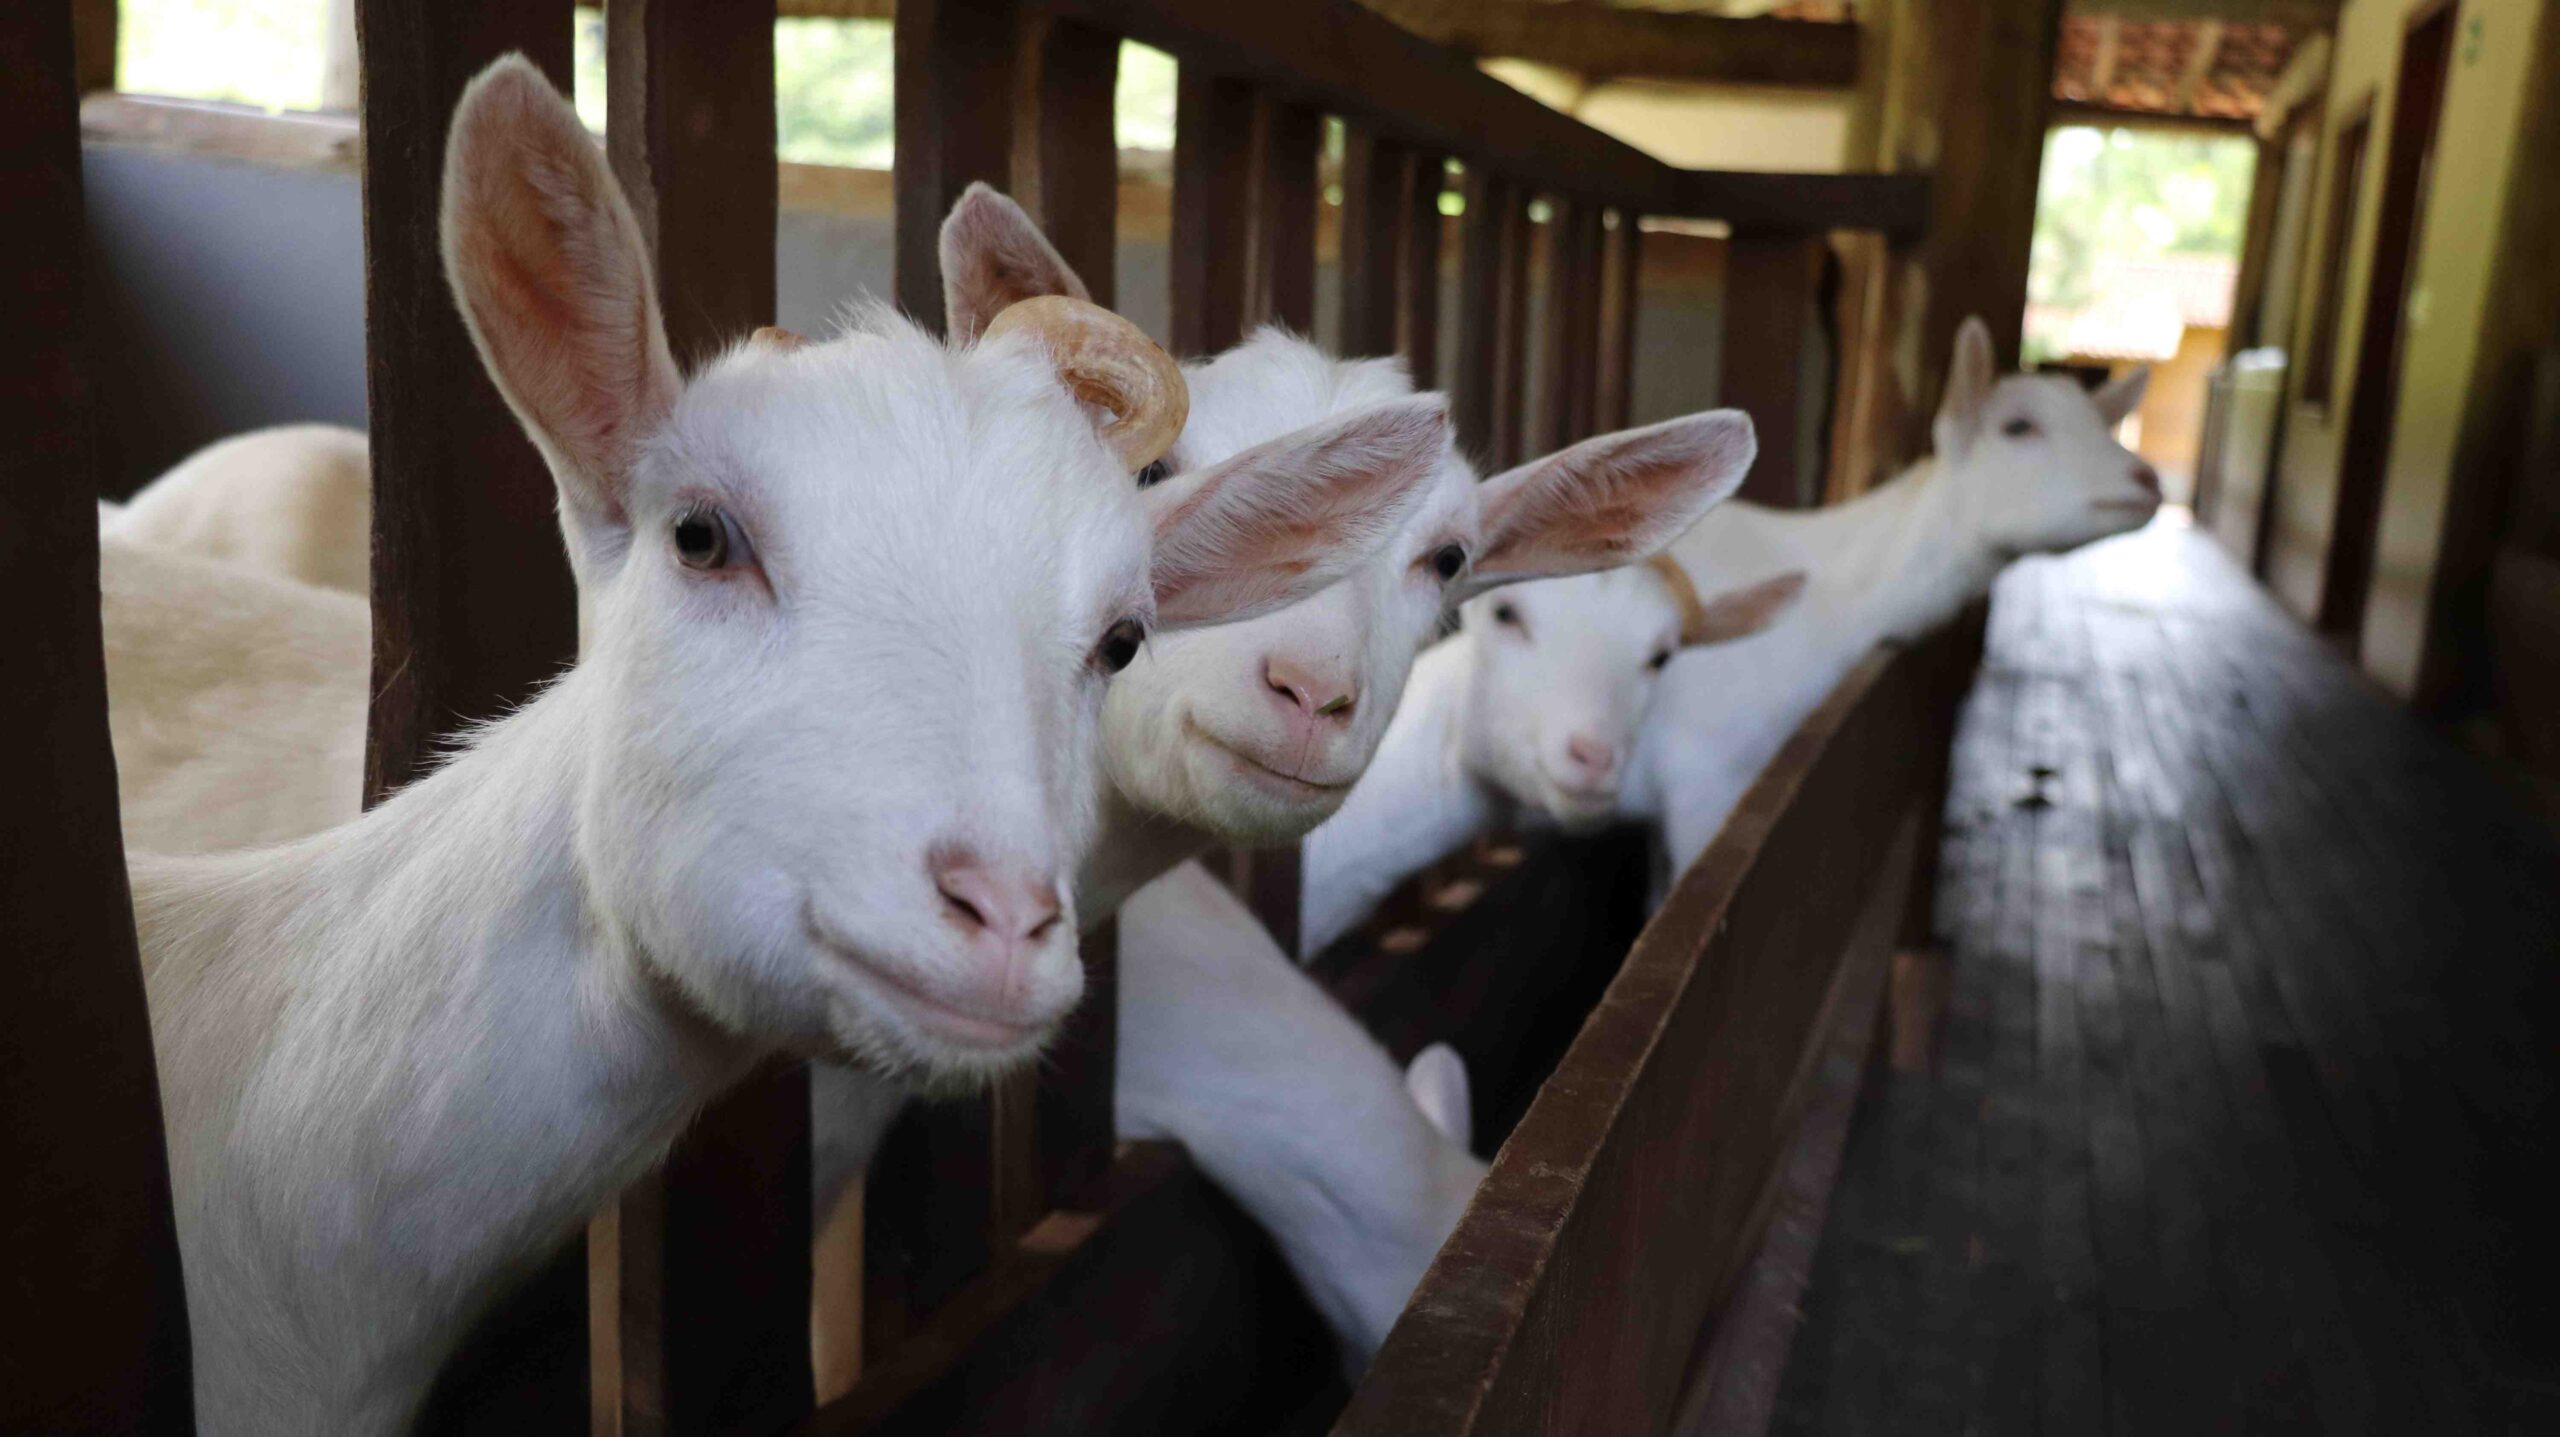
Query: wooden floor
point(2245, 1098)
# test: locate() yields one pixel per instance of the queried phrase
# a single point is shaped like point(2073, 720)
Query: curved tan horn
point(1111, 363)
point(778, 337)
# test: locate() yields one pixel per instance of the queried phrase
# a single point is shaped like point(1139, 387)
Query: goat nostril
point(1591, 754)
point(1338, 704)
point(2147, 477)
point(962, 907)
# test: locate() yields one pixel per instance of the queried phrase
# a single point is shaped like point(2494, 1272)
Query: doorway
point(2374, 401)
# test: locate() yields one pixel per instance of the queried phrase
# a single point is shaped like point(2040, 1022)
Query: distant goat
point(295, 501)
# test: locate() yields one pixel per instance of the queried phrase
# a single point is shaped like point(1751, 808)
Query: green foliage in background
point(2130, 194)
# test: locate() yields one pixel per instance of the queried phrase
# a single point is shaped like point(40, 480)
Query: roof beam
point(2292, 14)
point(2199, 64)
point(1609, 42)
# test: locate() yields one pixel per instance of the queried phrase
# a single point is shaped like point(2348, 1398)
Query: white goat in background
point(295, 501)
point(813, 787)
point(1528, 710)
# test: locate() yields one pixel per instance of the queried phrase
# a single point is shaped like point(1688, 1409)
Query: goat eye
point(1447, 560)
point(1658, 660)
point(707, 538)
point(1153, 474)
point(2018, 428)
point(1506, 615)
point(1119, 645)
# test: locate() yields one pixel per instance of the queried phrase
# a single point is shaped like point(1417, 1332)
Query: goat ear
point(1437, 1080)
point(994, 257)
point(546, 261)
point(1970, 374)
point(1609, 501)
point(2121, 395)
point(1284, 519)
point(1740, 613)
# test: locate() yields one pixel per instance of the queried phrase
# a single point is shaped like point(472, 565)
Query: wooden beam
point(1372, 195)
point(1610, 42)
point(1622, 266)
point(2191, 76)
point(1771, 280)
point(93, 44)
point(1489, 202)
point(700, 1313)
point(954, 119)
point(1418, 269)
point(1066, 167)
point(92, 1265)
point(2072, 112)
point(1288, 145)
point(1212, 168)
point(2305, 75)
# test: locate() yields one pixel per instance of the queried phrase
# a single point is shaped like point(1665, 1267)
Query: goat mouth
point(951, 1022)
point(1256, 770)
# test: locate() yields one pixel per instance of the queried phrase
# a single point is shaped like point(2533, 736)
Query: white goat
point(812, 788)
point(295, 500)
point(1529, 705)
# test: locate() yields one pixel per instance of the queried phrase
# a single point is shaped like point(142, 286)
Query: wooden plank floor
point(2246, 1091)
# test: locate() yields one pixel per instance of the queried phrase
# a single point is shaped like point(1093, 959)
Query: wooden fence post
point(1212, 139)
point(473, 603)
point(1418, 264)
point(1066, 166)
point(1565, 403)
point(701, 1269)
point(954, 121)
point(1288, 146)
point(1769, 312)
point(1621, 285)
point(92, 1269)
point(1372, 196)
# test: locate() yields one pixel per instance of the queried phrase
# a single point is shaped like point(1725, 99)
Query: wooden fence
point(1019, 1270)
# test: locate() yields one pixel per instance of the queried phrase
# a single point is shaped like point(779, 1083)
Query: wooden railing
point(1019, 1270)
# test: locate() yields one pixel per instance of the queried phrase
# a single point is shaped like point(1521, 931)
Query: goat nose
point(1302, 687)
point(1014, 907)
point(1591, 755)
point(2147, 477)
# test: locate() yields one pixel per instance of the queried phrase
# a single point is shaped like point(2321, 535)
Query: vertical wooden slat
point(92, 1267)
point(456, 639)
point(1288, 142)
point(1074, 1113)
point(93, 45)
point(1418, 266)
point(1511, 333)
point(1471, 371)
point(1212, 139)
point(473, 604)
point(1770, 279)
point(1066, 159)
point(1564, 357)
point(1587, 284)
point(1372, 197)
point(700, 1311)
point(954, 118)
point(1621, 270)
point(1270, 881)
point(928, 1210)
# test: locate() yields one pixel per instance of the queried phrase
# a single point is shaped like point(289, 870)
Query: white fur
point(1287, 1103)
point(295, 501)
point(402, 1055)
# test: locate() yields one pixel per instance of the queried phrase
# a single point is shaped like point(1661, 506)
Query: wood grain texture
point(84, 1213)
point(1288, 143)
point(1066, 164)
point(954, 118)
point(1212, 171)
point(1373, 177)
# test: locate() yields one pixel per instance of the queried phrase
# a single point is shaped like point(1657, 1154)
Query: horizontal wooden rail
point(1338, 57)
point(1621, 1211)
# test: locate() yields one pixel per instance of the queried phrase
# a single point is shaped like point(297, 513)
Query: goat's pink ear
point(1611, 500)
point(546, 261)
point(2121, 395)
point(994, 257)
point(1284, 519)
point(1740, 613)
point(1971, 372)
